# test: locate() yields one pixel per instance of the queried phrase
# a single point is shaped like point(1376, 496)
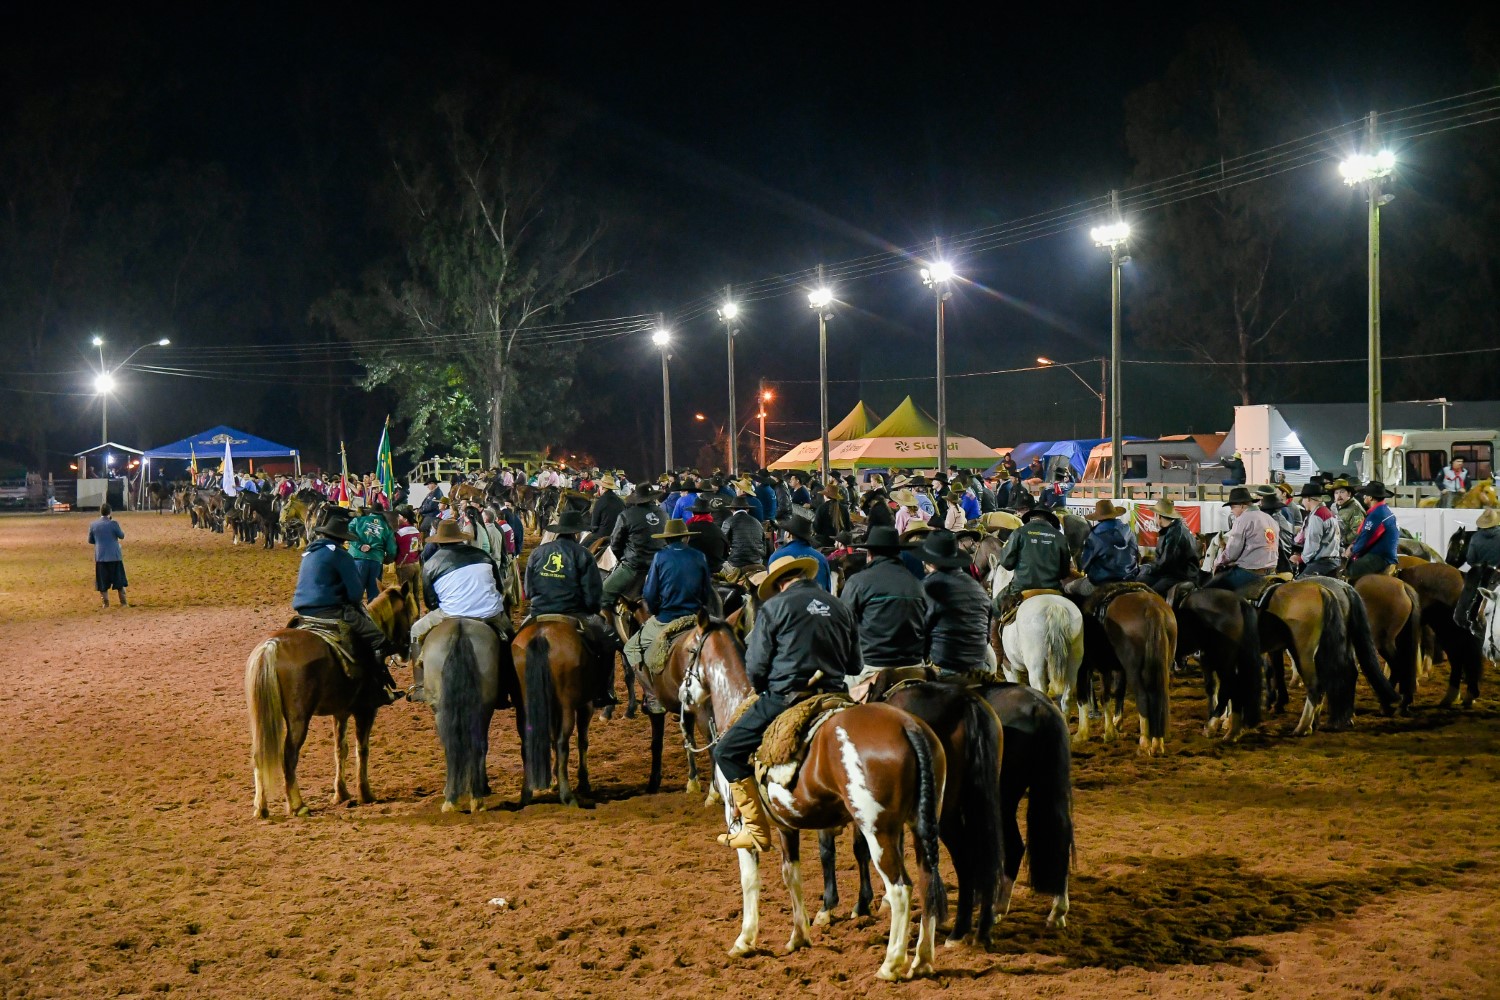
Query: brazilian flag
point(384, 469)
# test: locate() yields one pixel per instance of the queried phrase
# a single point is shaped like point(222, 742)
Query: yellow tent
point(908, 439)
point(809, 453)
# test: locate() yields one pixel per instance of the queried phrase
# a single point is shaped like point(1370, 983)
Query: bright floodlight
point(939, 272)
point(1362, 167)
point(660, 338)
point(699, 416)
point(98, 341)
point(820, 298)
point(163, 342)
point(1044, 362)
point(768, 395)
point(1111, 235)
point(728, 311)
point(104, 382)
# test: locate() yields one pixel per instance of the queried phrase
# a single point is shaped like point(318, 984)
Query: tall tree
point(493, 246)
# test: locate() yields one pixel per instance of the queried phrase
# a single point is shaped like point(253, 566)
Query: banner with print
point(1147, 524)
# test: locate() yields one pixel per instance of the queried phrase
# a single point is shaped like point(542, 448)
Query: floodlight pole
point(823, 380)
point(1376, 451)
point(733, 446)
point(666, 398)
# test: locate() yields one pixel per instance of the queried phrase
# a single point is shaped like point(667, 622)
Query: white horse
point(1046, 643)
point(1487, 612)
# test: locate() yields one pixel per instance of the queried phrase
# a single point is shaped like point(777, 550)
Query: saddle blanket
point(337, 633)
point(784, 745)
point(1098, 602)
point(661, 649)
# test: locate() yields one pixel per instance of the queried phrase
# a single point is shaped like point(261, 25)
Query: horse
point(1395, 613)
point(1491, 643)
point(1477, 497)
point(1046, 641)
point(556, 675)
point(969, 819)
point(1135, 642)
point(1438, 587)
point(464, 677)
point(1458, 544)
point(1225, 630)
point(293, 676)
point(665, 687)
point(872, 765)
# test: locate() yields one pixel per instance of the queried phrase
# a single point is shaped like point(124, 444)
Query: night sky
point(730, 149)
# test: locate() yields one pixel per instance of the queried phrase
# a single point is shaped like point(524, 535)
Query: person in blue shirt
point(799, 492)
point(677, 585)
point(105, 535)
point(1111, 554)
point(249, 485)
point(970, 504)
point(1374, 548)
point(800, 546)
point(683, 508)
point(765, 492)
point(746, 489)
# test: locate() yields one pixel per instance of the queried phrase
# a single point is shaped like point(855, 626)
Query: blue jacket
point(1110, 553)
point(1378, 534)
point(682, 510)
point(767, 497)
point(970, 503)
point(756, 510)
point(327, 578)
point(798, 548)
point(105, 535)
point(678, 583)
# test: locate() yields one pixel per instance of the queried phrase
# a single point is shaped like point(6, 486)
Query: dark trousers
point(369, 576)
point(1367, 565)
point(736, 746)
point(1234, 578)
point(1321, 567)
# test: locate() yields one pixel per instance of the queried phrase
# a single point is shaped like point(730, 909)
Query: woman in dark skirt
point(109, 565)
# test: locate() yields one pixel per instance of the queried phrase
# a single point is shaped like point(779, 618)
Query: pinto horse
point(1136, 642)
point(293, 676)
point(556, 673)
point(875, 766)
point(1395, 613)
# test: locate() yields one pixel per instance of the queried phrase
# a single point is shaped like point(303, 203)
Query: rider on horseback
point(329, 586)
point(563, 579)
point(1482, 553)
point(459, 581)
point(1250, 547)
point(746, 540)
point(634, 543)
point(804, 640)
point(1320, 536)
point(678, 586)
point(1038, 555)
point(1374, 548)
point(889, 606)
point(1177, 555)
point(957, 626)
point(1111, 554)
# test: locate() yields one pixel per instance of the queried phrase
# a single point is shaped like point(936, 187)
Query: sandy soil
point(1360, 863)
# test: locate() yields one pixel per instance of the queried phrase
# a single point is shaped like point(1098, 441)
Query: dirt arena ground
point(1355, 864)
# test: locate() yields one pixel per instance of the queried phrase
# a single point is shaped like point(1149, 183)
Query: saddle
point(784, 745)
point(599, 642)
point(1097, 603)
point(661, 649)
point(337, 634)
point(1011, 609)
point(740, 574)
point(1258, 592)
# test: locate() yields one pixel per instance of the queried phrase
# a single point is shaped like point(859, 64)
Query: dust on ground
point(1356, 863)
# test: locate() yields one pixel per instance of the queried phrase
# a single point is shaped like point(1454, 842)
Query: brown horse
point(1136, 643)
point(871, 765)
point(1395, 614)
point(1225, 631)
point(1438, 587)
point(293, 676)
point(557, 675)
point(665, 687)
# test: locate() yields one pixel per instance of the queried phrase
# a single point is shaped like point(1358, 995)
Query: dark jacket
point(783, 499)
point(828, 520)
point(1053, 498)
point(326, 579)
point(1177, 555)
point(631, 541)
point(958, 620)
point(746, 539)
point(679, 583)
point(518, 529)
point(799, 632)
point(877, 510)
point(1110, 554)
point(561, 579)
point(1378, 534)
point(801, 496)
point(1483, 548)
point(708, 539)
point(1038, 554)
point(606, 511)
point(448, 558)
point(890, 607)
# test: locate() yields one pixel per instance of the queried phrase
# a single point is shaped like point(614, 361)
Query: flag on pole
point(383, 465)
point(343, 476)
point(193, 462)
point(228, 475)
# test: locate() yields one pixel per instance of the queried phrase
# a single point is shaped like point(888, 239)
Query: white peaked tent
point(809, 453)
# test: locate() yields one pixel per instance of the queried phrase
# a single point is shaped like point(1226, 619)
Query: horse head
point(716, 663)
point(1457, 543)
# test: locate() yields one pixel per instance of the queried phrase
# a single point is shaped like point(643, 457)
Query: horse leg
point(364, 721)
point(1312, 697)
point(296, 734)
point(340, 759)
point(481, 786)
point(828, 846)
point(866, 888)
point(791, 875)
point(526, 790)
point(885, 851)
point(688, 724)
point(584, 789)
point(658, 726)
point(963, 919)
point(631, 703)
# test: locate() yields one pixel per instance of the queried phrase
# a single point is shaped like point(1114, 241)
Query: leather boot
point(754, 833)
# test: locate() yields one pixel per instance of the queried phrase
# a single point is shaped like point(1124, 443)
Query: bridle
point(694, 672)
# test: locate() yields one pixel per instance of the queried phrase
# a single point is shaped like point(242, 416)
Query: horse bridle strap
point(694, 658)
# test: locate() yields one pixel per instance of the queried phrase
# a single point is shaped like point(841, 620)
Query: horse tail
point(267, 718)
point(979, 795)
point(929, 793)
point(540, 694)
point(459, 716)
point(1363, 640)
point(1409, 646)
point(1057, 644)
point(1154, 696)
point(1049, 804)
point(1334, 670)
point(1249, 686)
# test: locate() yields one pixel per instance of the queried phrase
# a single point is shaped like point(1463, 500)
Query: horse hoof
point(1467, 703)
point(693, 787)
point(449, 807)
point(822, 918)
point(741, 950)
point(1058, 922)
point(476, 806)
point(1449, 698)
point(888, 974)
point(796, 943)
point(920, 970)
point(302, 811)
point(262, 813)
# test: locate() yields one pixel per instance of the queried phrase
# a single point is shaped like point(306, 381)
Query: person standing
point(375, 545)
point(105, 535)
point(1234, 467)
point(408, 548)
point(1455, 478)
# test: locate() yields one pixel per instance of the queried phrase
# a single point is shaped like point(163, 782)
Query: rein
point(693, 669)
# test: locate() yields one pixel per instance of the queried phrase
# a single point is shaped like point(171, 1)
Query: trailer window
point(1425, 466)
point(1292, 463)
point(1176, 463)
point(1135, 467)
point(1479, 456)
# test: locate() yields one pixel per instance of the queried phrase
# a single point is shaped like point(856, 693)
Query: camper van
point(1418, 457)
point(1179, 459)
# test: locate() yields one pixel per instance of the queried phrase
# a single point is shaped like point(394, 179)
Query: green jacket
point(375, 535)
point(1351, 516)
point(1038, 553)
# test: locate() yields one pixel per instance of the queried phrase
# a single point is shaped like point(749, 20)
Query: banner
point(343, 497)
point(228, 477)
point(1144, 520)
point(193, 463)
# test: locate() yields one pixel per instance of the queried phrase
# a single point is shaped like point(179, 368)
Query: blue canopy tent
point(1076, 452)
point(209, 446)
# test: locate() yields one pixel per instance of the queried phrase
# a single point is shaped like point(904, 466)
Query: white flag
point(228, 472)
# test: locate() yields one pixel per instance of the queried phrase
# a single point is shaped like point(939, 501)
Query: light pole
point(766, 395)
point(1112, 237)
point(104, 382)
point(821, 300)
point(1368, 170)
point(662, 339)
point(728, 312)
point(939, 278)
point(1096, 393)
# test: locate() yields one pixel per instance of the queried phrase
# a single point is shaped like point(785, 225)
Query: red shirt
point(408, 545)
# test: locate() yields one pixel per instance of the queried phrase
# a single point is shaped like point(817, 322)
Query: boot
point(753, 834)
point(416, 694)
point(105, 595)
point(123, 603)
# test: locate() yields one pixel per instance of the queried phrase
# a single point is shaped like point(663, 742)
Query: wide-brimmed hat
point(1341, 483)
point(333, 522)
point(797, 526)
point(406, 511)
point(703, 504)
point(1165, 508)
point(740, 502)
point(940, 548)
point(1313, 491)
point(917, 482)
point(832, 491)
point(1105, 510)
point(1489, 518)
point(449, 532)
point(765, 583)
point(883, 538)
point(744, 484)
point(1375, 490)
point(905, 498)
point(608, 483)
point(1041, 512)
point(997, 520)
point(676, 528)
point(569, 522)
point(1241, 495)
point(643, 493)
point(916, 530)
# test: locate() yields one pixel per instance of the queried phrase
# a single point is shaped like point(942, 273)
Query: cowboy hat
point(643, 494)
point(333, 522)
point(744, 485)
point(917, 482)
point(765, 583)
point(740, 502)
point(1341, 483)
point(1488, 519)
point(995, 520)
point(569, 522)
point(1313, 491)
point(1105, 510)
point(883, 538)
point(1166, 509)
point(1240, 495)
point(1375, 490)
point(1041, 512)
point(897, 482)
point(608, 482)
point(676, 528)
point(796, 525)
point(703, 504)
point(941, 550)
point(905, 498)
point(832, 491)
point(449, 532)
point(918, 528)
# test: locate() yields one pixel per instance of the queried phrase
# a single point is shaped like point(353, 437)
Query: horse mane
point(715, 624)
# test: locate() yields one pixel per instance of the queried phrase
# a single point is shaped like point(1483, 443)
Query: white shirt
point(469, 592)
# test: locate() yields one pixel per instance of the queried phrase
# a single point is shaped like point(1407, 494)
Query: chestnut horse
point(665, 687)
point(557, 676)
point(871, 765)
point(1135, 642)
point(293, 676)
point(1438, 586)
point(1395, 614)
